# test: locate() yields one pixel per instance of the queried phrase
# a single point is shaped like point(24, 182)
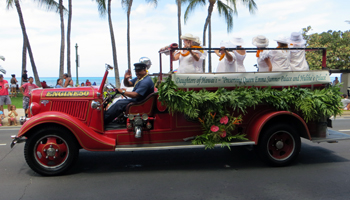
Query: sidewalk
point(20, 112)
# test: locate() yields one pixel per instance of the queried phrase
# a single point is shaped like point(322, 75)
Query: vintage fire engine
point(63, 121)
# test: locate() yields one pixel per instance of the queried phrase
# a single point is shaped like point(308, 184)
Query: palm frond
point(191, 6)
point(155, 2)
point(50, 5)
point(227, 11)
point(251, 5)
point(101, 6)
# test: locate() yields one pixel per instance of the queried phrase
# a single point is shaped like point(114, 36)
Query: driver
point(143, 86)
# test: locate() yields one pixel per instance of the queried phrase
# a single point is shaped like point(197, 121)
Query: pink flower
point(214, 128)
point(224, 120)
point(223, 134)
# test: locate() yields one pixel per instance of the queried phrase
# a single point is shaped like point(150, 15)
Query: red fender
point(255, 126)
point(87, 138)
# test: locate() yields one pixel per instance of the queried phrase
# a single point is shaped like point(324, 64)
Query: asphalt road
point(320, 172)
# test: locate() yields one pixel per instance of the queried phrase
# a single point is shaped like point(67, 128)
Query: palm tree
point(102, 10)
point(127, 4)
point(69, 24)
point(61, 69)
point(51, 4)
point(223, 8)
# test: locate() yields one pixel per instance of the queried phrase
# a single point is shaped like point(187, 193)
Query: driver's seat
point(145, 106)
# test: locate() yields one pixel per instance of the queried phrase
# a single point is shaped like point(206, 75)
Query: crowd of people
point(191, 61)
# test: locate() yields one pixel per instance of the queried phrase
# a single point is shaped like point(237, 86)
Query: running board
point(167, 146)
point(332, 136)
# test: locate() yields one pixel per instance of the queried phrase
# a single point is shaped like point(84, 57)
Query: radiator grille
point(77, 109)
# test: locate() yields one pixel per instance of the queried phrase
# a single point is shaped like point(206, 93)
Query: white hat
point(260, 41)
point(237, 41)
point(188, 36)
point(227, 44)
point(282, 39)
point(197, 40)
point(297, 38)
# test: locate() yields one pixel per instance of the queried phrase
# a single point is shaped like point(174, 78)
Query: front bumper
point(17, 140)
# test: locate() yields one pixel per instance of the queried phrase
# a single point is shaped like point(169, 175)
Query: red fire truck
point(64, 120)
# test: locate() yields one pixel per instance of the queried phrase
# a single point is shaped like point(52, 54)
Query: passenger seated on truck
point(297, 57)
point(143, 86)
point(346, 102)
point(280, 59)
point(189, 58)
point(227, 60)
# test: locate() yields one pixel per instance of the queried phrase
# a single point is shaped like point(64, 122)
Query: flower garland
point(222, 56)
point(188, 52)
point(258, 53)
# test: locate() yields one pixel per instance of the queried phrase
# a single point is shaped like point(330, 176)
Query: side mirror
point(108, 67)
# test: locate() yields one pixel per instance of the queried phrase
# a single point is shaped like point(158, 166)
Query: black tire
point(279, 145)
point(51, 151)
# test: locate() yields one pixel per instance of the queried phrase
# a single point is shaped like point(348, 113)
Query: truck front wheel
point(51, 151)
point(279, 145)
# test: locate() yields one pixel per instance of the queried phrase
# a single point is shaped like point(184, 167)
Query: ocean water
point(51, 81)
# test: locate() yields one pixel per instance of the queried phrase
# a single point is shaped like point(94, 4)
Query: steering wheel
point(110, 97)
point(116, 91)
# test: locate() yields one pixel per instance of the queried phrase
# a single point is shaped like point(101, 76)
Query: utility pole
point(77, 62)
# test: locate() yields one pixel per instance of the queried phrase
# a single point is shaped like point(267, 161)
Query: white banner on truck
point(251, 79)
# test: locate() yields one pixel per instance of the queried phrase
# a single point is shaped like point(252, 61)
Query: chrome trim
point(95, 105)
point(173, 146)
point(17, 140)
point(138, 131)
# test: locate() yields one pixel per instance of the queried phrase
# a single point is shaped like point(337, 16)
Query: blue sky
point(151, 29)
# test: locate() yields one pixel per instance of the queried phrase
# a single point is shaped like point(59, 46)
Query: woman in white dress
point(280, 59)
point(227, 60)
point(187, 58)
point(240, 54)
point(199, 63)
point(262, 55)
point(297, 57)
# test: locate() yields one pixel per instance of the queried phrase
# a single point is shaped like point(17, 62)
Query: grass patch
point(17, 101)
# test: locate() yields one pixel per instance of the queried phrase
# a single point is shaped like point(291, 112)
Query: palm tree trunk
point(179, 21)
point(21, 21)
point(24, 57)
point(114, 50)
point(61, 71)
point(207, 20)
point(69, 24)
point(209, 56)
point(128, 33)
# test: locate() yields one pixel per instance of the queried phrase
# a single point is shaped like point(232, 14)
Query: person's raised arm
point(127, 76)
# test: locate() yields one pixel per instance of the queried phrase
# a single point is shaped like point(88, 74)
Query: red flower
point(224, 120)
point(223, 134)
point(214, 128)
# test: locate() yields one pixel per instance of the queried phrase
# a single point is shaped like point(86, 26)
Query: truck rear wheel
point(51, 151)
point(279, 145)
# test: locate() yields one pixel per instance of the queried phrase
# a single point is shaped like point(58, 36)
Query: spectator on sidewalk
point(24, 77)
point(4, 93)
point(68, 82)
point(2, 117)
point(336, 81)
point(59, 83)
point(26, 90)
point(12, 116)
point(88, 83)
point(346, 102)
point(13, 86)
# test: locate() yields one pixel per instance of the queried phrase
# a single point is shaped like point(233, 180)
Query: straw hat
point(297, 38)
point(282, 39)
point(260, 41)
point(197, 40)
point(237, 41)
point(227, 44)
point(188, 36)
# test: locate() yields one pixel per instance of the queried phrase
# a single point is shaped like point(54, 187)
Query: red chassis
point(64, 120)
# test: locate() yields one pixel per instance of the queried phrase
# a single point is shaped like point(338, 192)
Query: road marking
point(10, 129)
point(345, 130)
point(2, 144)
